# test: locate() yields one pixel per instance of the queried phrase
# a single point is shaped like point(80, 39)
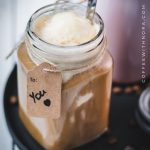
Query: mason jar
point(86, 71)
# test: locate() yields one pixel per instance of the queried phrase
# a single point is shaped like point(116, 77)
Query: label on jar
point(44, 84)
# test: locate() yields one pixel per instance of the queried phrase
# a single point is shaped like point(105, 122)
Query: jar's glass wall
point(85, 107)
point(85, 102)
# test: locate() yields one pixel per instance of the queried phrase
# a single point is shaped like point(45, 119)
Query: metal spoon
point(91, 9)
point(72, 1)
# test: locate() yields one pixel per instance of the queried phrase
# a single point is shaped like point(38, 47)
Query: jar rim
point(43, 10)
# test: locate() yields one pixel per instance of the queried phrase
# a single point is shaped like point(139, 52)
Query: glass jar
point(86, 88)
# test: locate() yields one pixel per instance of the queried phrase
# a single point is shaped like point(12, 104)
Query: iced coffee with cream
point(78, 49)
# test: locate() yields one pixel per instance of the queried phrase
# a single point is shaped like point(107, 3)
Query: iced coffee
point(78, 48)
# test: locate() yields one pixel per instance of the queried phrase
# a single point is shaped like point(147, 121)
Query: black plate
point(122, 124)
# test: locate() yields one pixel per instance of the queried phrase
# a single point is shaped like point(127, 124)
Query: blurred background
point(123, 22)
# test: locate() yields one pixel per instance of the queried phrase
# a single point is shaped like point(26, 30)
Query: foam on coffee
point(65, 29)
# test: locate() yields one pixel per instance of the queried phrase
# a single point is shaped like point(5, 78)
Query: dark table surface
point(124, 134)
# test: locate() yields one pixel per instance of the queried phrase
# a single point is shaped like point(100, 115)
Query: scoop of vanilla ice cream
point(65, 29)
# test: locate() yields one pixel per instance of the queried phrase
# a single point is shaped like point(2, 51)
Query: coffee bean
point(13, 99)
point(112, 140)
point(129, 148)
point(136, 88)
point(117, 90)
point(128, 90)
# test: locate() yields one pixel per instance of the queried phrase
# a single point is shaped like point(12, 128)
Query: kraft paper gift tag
point(44, 84)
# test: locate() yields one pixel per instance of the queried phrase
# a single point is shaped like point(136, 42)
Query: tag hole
point(46, 70)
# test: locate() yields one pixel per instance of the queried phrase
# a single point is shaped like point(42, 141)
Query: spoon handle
point(91, 9)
